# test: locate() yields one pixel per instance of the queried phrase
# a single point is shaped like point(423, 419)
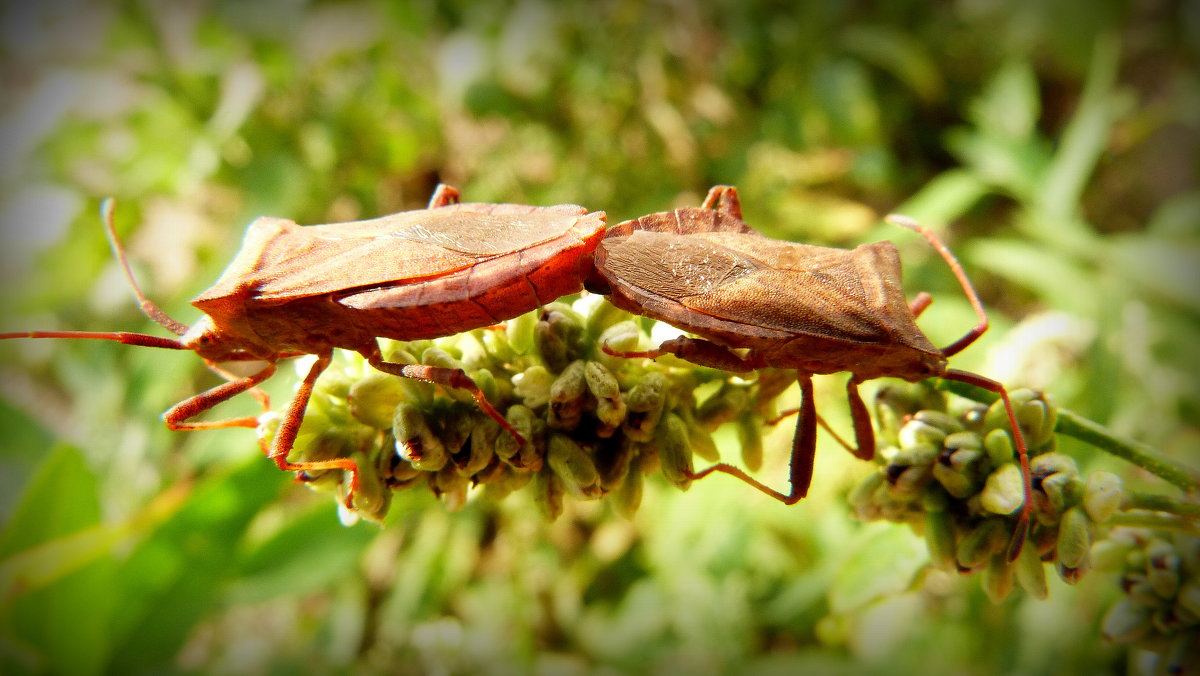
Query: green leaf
point(64, 625)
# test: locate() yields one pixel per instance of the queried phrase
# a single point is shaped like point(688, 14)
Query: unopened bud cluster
point(1160, 611)
point(595, 424)
point(956, 478)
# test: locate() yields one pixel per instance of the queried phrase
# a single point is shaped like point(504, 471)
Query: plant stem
point(1154, 521)
point(1160, 503)
point(1074, 425)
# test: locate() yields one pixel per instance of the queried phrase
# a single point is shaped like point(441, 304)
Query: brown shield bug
point(816, 310)
point(293, 290)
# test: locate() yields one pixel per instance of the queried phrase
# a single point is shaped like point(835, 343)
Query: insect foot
point(310, 290)
point(952, 475)
point(752, 302)
point(593, 426)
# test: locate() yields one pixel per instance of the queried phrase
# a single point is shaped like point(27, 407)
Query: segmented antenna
point(107, 207)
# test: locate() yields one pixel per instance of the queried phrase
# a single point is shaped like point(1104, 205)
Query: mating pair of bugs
point(453, 267)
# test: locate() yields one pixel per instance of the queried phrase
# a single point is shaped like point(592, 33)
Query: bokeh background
point(1054, 144)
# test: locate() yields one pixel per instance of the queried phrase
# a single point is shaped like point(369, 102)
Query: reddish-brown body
point(419, 274)
point(813, 309)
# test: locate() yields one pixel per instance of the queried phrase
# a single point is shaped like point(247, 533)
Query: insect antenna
point(972, 335)
point(147, 306)
point(125, 337)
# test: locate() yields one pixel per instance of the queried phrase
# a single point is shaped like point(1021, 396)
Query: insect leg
point(804, 450)
point(444, 194)
point(1022, 529)
point(724, 198)
point(289, 427)
point(446, 377)
point(918, 304)
point(176, 416)
point(697, 351)
point(262, 397)
point(864, 432)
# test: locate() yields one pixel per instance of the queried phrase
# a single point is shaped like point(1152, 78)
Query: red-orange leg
point(289, 427)
point(443, 195)
point(804, 450)
point(177, 415)
point(724, 198)
point(446, 377)
point(864, 430)
point(1022, 529)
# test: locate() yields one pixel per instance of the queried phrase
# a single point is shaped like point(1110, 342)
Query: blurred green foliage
point(1058, 139)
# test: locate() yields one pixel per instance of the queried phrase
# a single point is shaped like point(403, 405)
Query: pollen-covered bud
point(415, 440)
point(729, 403)
point(451, 486)
point(1074, 538)
point(373, 497)
point(1004, 492)
point(644, 405)
point(610, 406)
point(558, 335)
point(628, 497)
point(749, 431)
point(567, 397)
point(533, 385)
point(574, 466)
point(548, 492)
point(619, 338)
point(981, 543)
point(481, 447)
point(999, 447)
point(675, 451)
point(1102, 495)
point(521, 419)
point(1031, 572)
point(373, 398)
point(997, 578)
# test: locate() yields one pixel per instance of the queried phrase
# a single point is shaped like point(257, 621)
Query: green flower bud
point(610, 407)
point(1163, 571)
point(939, 538)
point(1188, 598)
point(1062, 489)
point(1031, 573)
point(749, 431)
point(485, 380)
point(1126, 622)
point(574, 466)
point(939, 419)
point(1074, 538)
point(911, 468)
point(509, 480)
point(1004, 492)
point(918, 432)
point(451, 487)
point(628, 497)
point(613, 461)
point(955, 481)
point(373, 398)
point(727, 404)
point(645, 403)
point(415, 441)
point(981, 543)
point(621, 337)
point(602, 318)
point(548, 494)
point(521, 419)
point(482, 446)
point(997, 578)
point(862, 496)
point(999, 447)
point(533, 385)
point(675, 451)
point(1102, 495)
point(558, 335)
point(373, 497)
point(519, 332)
point(567, 397)
point(1051, 463)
